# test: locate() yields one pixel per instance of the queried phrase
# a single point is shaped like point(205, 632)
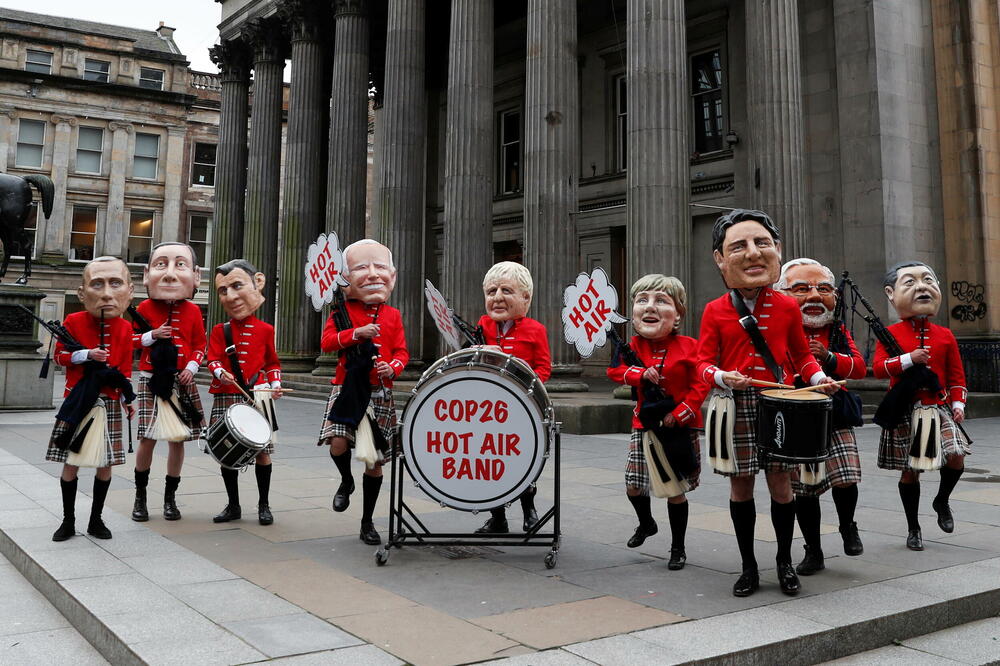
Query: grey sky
point(194, 20)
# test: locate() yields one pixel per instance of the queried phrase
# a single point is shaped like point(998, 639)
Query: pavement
point(305, 590)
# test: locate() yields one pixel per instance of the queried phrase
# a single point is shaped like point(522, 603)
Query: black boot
point(342, 499)
point(170, 510)
point(528, 508)
point(678, 515)
point(140, 513)
point(496, 523)
point(845, 498)
point(808, 513)
point(949, 479)
point(96, 527)
point(231, 478)
point(370, 487)
point(263, 473)
point(68, 527)
point(647, 526)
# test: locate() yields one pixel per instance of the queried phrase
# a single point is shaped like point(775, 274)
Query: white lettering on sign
point(324, 264)
point(442, 315)
point(588, 310)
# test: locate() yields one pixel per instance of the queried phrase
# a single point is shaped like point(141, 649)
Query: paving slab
point(177, 568)
point(894, 656)
point(362, 655)
point(974, 643)
point(228, 600)
point(546, 658)
point(53, 646)
point(286, 635)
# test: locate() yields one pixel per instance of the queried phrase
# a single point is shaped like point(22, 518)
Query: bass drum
point(476, 431)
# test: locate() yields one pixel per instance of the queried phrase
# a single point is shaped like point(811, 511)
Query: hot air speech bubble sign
point(589, 310)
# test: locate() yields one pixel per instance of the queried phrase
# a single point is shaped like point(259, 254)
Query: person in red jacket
point(669, 361)
point(813, 287)
point(372, 276)
point(240, 288)
point(105, 292)
point(747, 250)
point(914, 291)
point(171, 278)
point(507, 288)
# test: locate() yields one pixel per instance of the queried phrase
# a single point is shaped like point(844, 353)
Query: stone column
point(401, 132)
point(468, 175)
point(8, 115)
point(233, 60)
point(298, 327)
point(551, 166)
point(172, 189)
point(658, 220)
point(347, 159)
point(774, 115)
point(114, 226)
point(57, 229)
point(260, 237)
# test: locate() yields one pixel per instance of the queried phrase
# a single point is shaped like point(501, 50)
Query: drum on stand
point(476, 432)
point(236, 439)
point(794, 428)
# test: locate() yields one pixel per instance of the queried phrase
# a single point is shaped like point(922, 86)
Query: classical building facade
point(569, 134)
point(125, 130)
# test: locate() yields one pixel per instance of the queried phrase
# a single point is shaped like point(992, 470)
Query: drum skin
point(237, 439)
point(794, 428)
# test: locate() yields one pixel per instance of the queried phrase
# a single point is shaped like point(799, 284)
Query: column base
point(412, 371)
point(566, 379)
point(326, 365)
point(297, 362)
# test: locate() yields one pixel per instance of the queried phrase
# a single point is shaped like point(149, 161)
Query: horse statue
point(15, 206)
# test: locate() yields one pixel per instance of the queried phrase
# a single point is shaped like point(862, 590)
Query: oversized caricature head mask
point(370, 271)
point(172, 273)
point(107, 287)
point(658, 304)
point(240, 288)
point(913, 290)
point(507, 289)
point(812, 286)
point(747, 249)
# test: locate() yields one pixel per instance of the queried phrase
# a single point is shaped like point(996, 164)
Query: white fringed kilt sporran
point(894, 445)
point(637, 469)
point(223, 401)
point(146, 406)
point(843, 467)
point(115, 452)
point(382, 405)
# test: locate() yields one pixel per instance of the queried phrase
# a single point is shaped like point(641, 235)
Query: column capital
point(233, 60)
point(267, 38)
point(304, 18)
point(115, 126)
point(8, 111)
point(347, 7)
point(60, 119)
point(176, 130)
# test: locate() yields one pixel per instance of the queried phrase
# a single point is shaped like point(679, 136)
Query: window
point(706, 94)
point(147, 148)
point(200, 238)
point(151, 78)
point(38, 61)
point(30, 229)
point(30, 142)
point(89, 150)
point(96, 70)
point(140, 236)
point(510, 151)
point(621, 122)
point(203, 171)
point(83, 233)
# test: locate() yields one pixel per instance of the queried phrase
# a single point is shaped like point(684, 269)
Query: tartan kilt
point(146, 406)
point(385, 414)
point(637, 471)
point(116, 455)
point(843, 467)
point(223, 401)
point(745, 437)
point(894, 445)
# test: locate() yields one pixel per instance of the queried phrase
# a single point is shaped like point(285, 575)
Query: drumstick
point(815, 388)
point(761, 382)
point(274, 390)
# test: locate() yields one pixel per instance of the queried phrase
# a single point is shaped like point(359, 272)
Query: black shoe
point(264, 516)
point(170, 510)
point(677, 559)
point(342, 499)
point(747, 583)
point(65, 531)
point(140, 513)
point(369, 535)
point(494, 526)
point(231, 512)
point(914, 541)
point(98, 529)
point(811, 563)
point(852, 540)
point(530, 518)
point(945, 520)
point(787, 579)
point(641, 533)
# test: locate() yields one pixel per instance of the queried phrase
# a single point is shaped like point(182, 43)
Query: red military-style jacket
point(526, 339)
point(944, 359)
point(87, 331)
point(390, 341)
point(188, 330)
point(679, 376)
point(723, 344)
point(254, 342)
point(844, 366)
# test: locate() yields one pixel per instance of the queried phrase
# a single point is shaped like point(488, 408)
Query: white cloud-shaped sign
point(589, 310)
point(324, 265)
point(442, 315)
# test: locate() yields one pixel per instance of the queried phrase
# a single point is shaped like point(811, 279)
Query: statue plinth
point(20, 361)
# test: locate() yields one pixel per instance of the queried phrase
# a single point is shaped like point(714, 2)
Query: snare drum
point(236, 439)
point(794, 428)
point(476, 432)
